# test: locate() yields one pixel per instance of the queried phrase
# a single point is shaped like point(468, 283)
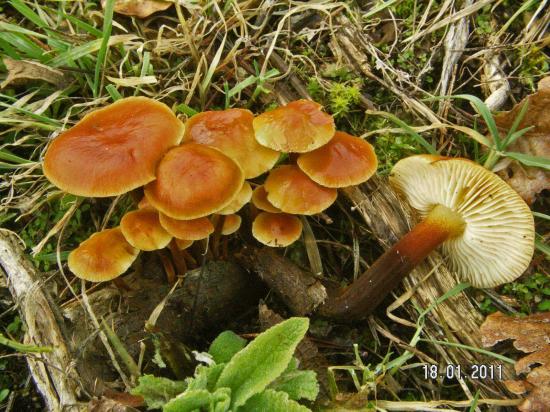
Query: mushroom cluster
point(195, 175)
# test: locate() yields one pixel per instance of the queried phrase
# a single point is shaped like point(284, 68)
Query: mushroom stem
point(363, 296)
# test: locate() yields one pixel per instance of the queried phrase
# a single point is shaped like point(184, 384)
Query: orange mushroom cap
point(242, 198)
point(142, 229)
point(298, 127)
point(231, 132)
point(344, 161)
point(292, 191)
point(231, 224)
point(114, 149)
point(194, 229)
point(276, 229)
point(193, 181)
point(103, 256)
point(183, 243)
point(259, 199)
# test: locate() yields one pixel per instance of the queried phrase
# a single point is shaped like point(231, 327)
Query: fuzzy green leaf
point(272, 401)
point(298, 385)
point(225, 346)
point(194, 400)
point(157, 391)
point(205, 377)
point(263, 360)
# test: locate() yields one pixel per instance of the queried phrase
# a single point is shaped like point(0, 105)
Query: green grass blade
point(24, 45)
point(28, 13)
point(20, 347)
point(107, 27)
point(12, 28)
point(542, 246)
point(515, 136)
point(10, 157)
point(541, 215)
point(485, 113)
point(83, 25)
point(75, 53)
point(471, 348)
point(423, 142)
point(527, 160)
point(113, 92)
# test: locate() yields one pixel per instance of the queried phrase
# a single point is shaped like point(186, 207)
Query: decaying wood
point(53, 372)
point(298, 289)
point(455, 319)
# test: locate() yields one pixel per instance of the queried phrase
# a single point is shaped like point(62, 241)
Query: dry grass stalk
point(53, 372)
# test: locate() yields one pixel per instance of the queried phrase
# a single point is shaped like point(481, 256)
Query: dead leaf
point(516, 387)
point(139, 8)
point(529, 181)
point(124, 398)
point(108, 405)
point(531, 334)
point(541, 357)
point(539, 397)
point(544, 83)
point(23, 71)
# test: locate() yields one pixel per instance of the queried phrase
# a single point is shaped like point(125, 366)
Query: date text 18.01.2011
point(452, 371)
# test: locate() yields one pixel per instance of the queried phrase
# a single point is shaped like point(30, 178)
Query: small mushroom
point(344, 161)
point(298, 127)
point(482, 225)
point(193, 181)
point(142, 229)
point(259, 199)
point(114, 149)
point(194, 229)
point(292, 191)
point(231, 132)
point(183, 244)
point(231, 223)
point(242, 198)
point(103, 256)
point(276, 229)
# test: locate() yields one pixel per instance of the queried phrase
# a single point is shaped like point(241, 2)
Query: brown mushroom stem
point(177, 258)
point(365, 294)
point(218, 225)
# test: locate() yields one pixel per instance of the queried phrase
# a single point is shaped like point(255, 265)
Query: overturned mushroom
point(484, 228)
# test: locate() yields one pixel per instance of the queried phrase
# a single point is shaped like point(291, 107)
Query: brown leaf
point(531, 333)
point(516, 387)
point(108, 405)
point(539, 397)
point(23, 71)
point(529, 181)
point(541, 357)
point(544, 83)
point(139, 8)
point(124, 398)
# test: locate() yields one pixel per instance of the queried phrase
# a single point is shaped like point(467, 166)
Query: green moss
point(343, 98)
